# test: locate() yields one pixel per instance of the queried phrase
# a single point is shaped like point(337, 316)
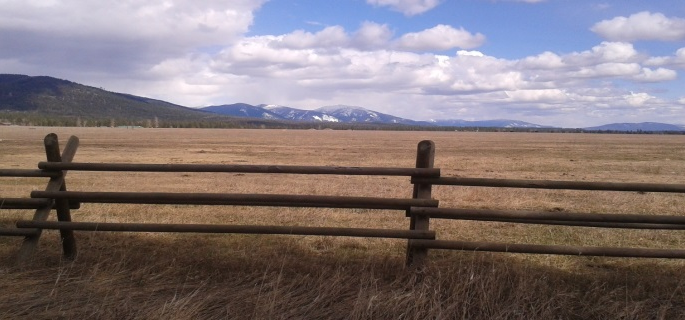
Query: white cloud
point(609, 69)
point(125, 34)
point(372, 35)
point(470, 53)
point(606, 52)
point(440, 37)
point(407, 7)
point(676, 61)
point(642, 26)
point(180, 22)
point(540, 95)
point(658, 75)
point(329, 37)
point(638, 99)
point(545, 60)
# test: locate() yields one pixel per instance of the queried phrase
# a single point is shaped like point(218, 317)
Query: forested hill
point(41, 96)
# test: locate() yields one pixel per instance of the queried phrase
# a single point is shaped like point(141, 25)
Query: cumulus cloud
point(658, 75)
point(538, 95)
point(372, 35)
point(407, 7)
point(440, 37)
point(133, 34)
point(545, 60)
point(606, 52)
point(642, 26)
point(334, 36)
point(637, 99)
point(675, 61)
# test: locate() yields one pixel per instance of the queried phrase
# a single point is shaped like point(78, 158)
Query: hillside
point(642, 126)
point(61, 98)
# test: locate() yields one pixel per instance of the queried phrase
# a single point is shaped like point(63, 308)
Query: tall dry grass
point(184, 276)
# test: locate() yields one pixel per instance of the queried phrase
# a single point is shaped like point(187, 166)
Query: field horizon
point(187, 276)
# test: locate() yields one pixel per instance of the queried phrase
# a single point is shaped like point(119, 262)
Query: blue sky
point(570, 63)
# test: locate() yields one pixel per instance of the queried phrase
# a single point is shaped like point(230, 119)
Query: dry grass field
point(187, 276)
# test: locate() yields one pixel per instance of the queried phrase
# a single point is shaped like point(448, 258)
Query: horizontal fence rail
point(28, 173)
point(552, 184)
point(273, 200)
point(24, 203)
point(550, 249)
point(524, 216)
point(210, 228)
point(367, 171)
point(612, 225)
point(31, 203)
point(14, 232)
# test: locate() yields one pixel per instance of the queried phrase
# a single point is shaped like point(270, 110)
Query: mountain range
point(351, 114)
point(642, 126)
point(39, 98)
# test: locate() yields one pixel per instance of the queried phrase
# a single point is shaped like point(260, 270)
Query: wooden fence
point(420, 208)
point(596, 220)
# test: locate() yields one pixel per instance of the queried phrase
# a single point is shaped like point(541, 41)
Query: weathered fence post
point(57, 183)
point(425, 158)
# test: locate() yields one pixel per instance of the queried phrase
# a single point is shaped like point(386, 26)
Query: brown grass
point(182, 276)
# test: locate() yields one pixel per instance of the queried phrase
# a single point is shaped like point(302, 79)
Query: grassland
point(172, 276)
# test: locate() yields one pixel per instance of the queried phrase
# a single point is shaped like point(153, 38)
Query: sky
point(567, 63)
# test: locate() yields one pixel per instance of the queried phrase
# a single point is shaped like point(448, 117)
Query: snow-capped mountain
point(243, 110)
point(353, 114)
point(299, 115)
point(501, 123)
point(350, 114)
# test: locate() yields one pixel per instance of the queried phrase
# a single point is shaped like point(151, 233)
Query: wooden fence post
point(425, 158)
point(57, 183)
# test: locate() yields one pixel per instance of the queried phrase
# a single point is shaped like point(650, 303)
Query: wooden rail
point(30, 203)
point(213, 228)
point(551, 184)
point(28, 173)
point(523, 216)
point(238, 199)
point(550, 249)
point(324, 170)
